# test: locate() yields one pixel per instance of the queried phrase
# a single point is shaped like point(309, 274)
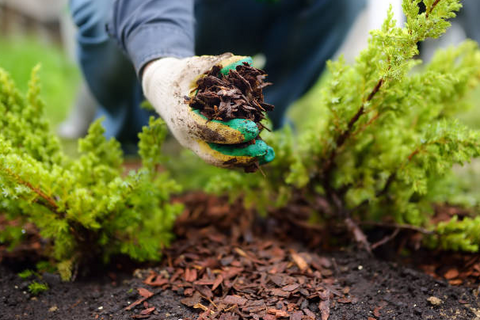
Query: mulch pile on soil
point(224, 268)
point(228, 264)
point(242, 276)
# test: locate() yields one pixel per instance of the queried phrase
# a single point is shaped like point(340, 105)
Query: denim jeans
point(296, 37)
point(468, 19)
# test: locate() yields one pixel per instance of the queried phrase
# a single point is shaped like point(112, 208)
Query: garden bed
point(372, 168)
point(229, 264)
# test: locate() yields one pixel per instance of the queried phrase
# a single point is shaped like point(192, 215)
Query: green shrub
point(386, 137)
point(86, 208)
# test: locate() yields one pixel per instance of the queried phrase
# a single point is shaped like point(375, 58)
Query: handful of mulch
point(239, 94)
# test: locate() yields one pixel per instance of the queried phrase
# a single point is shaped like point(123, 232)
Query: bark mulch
point(233, 267)
point(239, 275)
point(237, 95)
point(229, 264)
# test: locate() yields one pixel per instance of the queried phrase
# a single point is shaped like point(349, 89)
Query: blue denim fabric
point(468, 19)
point(296, 36)
point(149, 29)
point(108, 72)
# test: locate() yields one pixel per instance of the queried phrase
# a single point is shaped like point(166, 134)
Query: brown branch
point(386, 239)
point(334, 196)
point(376, 89)
point(358, 234)
point(397, 226)
point(415, 152)
point(431, 8)
point(50, 202)
point(305, 224)
point(369, 123)
point(309, 226)
point(342, 138)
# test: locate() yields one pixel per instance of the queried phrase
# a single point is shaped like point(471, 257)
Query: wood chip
point(218, 281)
point(191, 301)
point(147, 311)
point(324, 307)
point(190, 275)
point(376, 311)
point(234, 300)
point(280, 293)
point(299, 261)
point(298, 315)
point(451, 274)
point(144, 292)
point(278, 313)
point(291, 287)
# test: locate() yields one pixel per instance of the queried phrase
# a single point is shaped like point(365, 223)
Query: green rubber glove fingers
point(232, 66)
point(268, 157)
point(248, 129)
point(233, 131)
point(244, 155)
point(224, 143)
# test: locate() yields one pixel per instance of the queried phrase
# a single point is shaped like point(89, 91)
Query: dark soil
point(378, 289)
point(276, 276)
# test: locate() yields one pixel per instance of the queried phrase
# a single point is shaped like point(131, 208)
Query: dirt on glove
point(237, 95)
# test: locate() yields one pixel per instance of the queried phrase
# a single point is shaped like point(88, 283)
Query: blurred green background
point(59, 76)
point(60, 79)
point(28, 38)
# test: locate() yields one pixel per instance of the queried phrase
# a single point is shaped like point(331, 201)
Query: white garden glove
point(167, 81)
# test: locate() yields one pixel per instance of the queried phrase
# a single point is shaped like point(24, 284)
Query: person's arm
point(158, 36)
point(151, 29)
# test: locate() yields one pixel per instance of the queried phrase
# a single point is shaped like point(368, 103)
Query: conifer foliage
point(386, 135)
point(85, 208)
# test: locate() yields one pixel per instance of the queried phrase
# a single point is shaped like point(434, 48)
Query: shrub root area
point(228, 264)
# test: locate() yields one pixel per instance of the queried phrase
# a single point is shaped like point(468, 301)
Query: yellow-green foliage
point(86, 208)
point(387, 136)
point(36, 288)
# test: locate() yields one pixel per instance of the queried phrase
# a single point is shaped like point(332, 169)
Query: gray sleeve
point(151, 29)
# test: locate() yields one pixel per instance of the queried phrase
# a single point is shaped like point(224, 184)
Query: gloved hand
point(167, 81)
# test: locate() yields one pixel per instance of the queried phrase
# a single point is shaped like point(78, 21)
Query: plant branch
point(342, 138)
point(397, 226)
point(379, 193)
point(369, 123)
point(332, 194)
point(50, 202)
point(386, 239)
point(359, 235)
point(415, 152)
point(431, 8)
